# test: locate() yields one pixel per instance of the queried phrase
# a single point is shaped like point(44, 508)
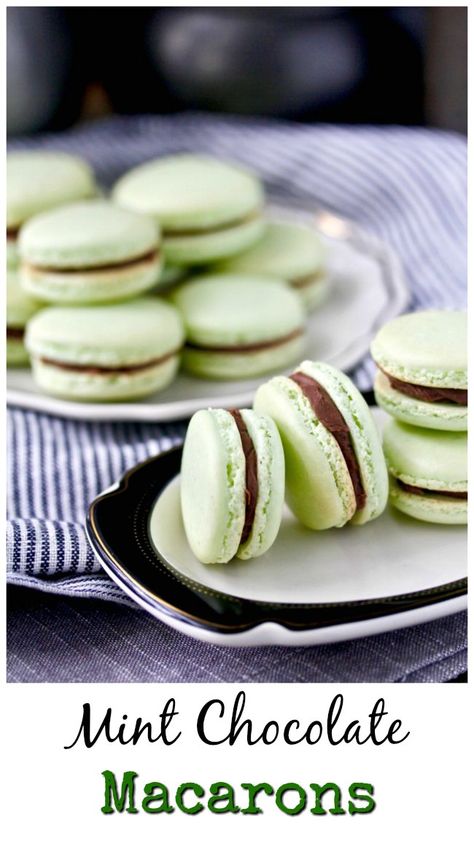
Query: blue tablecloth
point(406, 185)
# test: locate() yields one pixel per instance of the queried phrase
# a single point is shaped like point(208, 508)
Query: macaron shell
point(247, 364)
point(201, 249)
point(271, 484)
point(91, 287)
point(364, 435)
point(426, 458)
point(319, 490)
point(20, 306)
point(104, 387)
point(314, 292)
point(17, 354)
point(190, 191)
point(234, 310)
point(13, 257)
point(427, 348)
point(286, 250)
point(87, 234)
point(434, 510)
point(122, 334)
point(213, 486)
point(435, 415)
point(39, 180)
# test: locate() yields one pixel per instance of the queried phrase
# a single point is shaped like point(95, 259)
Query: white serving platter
point(366, 288)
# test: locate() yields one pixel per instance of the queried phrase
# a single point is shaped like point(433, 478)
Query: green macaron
point(105, 353)
point(335, 468)
point(207, 209)
point(39, 180)
point(232, 484)
point(289, 251)
point(20, 309)
point(428, 472)
point(422, 363)
point(239, 326)
point(89, 252)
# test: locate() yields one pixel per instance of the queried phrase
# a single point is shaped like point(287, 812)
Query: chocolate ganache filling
point(428, 394)
point(248, 346)
point(107, 370)
point(251, 474)
point(15, 332)
point(332, 419)
point(107, 266)
point(429, 492)
point(169, 232)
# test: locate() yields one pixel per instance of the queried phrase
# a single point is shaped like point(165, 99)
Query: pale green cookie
point(290, 252)
point(106, 353)
point(443, 416)
point(89, 252)
point(320, 490)
point(431, 462)
point(207, 209)
point(20, 308)
point(427, 351)
point(40, 180)
point(214, 488)
point(239, 326)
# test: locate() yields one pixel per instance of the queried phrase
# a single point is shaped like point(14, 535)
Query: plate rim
point(153, 602)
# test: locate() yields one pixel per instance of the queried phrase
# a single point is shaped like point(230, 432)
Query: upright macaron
point(422, 363)
point(20, 309)
point(232, 484)
point(239, 326)
point(291, 252)
point(89, 252)
point(428, 472)
point(335, 468)
point(106, 353)
point(207, 209)
point(38, 180)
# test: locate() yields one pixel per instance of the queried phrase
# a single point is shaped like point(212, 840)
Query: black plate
point(118, 528)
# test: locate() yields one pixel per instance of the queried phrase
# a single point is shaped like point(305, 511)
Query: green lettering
point(354, 790)
point(127, 792)
point(319, 791)
point(293, 787)
point(179, 798)
point(216, 790)
point(156, 792)
point(254, 790)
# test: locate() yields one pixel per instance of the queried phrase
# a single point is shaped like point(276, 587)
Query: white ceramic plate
point(367, 288)
point(309, 588)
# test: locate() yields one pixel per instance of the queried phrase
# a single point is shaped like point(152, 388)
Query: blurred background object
point(382, 65)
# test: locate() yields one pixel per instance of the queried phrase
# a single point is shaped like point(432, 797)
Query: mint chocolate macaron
point(428, 472)
point(39, 180)
point(291, 252)
point(232, 484)
point(20, 309)
point(207, 209)
point(105, 353)
point(239, 326)
point(335, 468)
point(89, 252)
point(422, 363)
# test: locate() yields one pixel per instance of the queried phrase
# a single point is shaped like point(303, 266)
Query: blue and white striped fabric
point(406, 185)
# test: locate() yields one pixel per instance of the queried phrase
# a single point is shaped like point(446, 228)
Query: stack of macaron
point(188, 226)
point(421, 382)
point(312, 434)
point(37, 181)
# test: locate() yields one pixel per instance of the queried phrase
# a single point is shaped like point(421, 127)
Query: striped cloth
point(406, 185)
